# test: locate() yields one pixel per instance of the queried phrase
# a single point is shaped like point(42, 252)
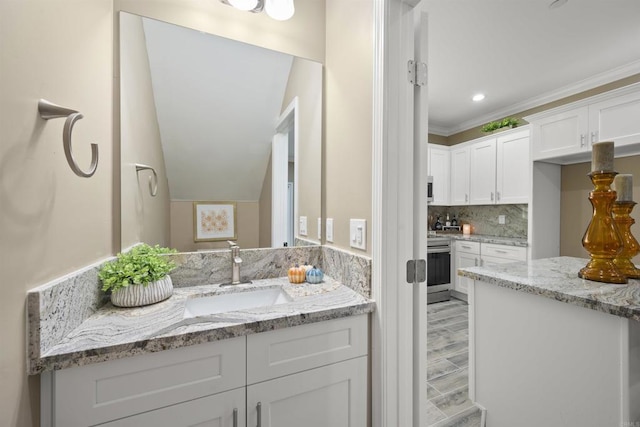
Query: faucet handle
point(232, 244)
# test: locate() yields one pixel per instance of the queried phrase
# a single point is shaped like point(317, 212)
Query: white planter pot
point(138, 295)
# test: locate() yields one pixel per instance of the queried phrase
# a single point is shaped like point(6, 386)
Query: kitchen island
point(547, 348)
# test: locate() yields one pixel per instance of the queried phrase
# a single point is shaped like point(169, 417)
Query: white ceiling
point(521, 54)
point(217, 101)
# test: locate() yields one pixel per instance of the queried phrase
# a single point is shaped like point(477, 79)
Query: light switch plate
point(358, 233)
point(303, 226)
point(319, 228)
point(329, 232)
point(501, 219)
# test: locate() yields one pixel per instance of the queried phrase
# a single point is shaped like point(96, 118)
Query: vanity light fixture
point(280, 10)
point(557, 3)
point(478, 97)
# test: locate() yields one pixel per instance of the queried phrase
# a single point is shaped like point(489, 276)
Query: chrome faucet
point(235, 262)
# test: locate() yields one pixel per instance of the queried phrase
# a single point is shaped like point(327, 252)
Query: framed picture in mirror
point(214, 221)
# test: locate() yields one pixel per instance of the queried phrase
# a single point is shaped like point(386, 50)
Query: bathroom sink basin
point(235, 301)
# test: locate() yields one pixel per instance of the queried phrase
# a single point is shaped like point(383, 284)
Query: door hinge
point(417, 73)
point(416, 271)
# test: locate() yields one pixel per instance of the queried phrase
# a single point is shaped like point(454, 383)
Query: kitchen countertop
point(113, 333)
point(557, 278)
point(509, 241)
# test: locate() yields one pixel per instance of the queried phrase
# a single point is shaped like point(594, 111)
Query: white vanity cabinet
point(312, 375)
point(440, 169)
point(565, 134)
point(476, 254)
point(460, 161)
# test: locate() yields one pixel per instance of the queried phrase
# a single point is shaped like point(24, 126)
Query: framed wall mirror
point(208, 119)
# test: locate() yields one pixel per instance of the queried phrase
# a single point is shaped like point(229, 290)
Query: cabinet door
point(561, 134)
point(616, 119)
point(439, 168)
point(333, 395)
point(211, 411)
point(482, 178)
point(460, 176)
point(464, 260)
point(513, 168)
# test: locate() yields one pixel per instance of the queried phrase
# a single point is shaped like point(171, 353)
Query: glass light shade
point(280, 10)
point(243, 4)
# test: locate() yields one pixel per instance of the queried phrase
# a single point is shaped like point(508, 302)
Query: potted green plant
point(138, 277)
point(507, 122)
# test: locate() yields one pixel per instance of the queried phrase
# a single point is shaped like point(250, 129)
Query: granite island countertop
point(113, 332)
point(557, 278)
point(482, 238)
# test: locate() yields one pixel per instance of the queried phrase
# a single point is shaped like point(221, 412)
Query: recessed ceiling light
point(478, 97)
point(557, 3)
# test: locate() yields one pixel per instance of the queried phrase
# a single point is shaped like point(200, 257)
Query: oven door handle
point(436, 250)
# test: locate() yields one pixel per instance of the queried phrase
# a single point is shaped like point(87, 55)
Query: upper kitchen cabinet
point(439, 169)
point(513, 168)
point(564, 135)
point(460, 175)
point(482, 180)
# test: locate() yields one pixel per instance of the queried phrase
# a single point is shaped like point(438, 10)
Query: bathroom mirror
point(204, 112)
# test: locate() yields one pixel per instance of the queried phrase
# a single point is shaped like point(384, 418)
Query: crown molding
point(566, 91)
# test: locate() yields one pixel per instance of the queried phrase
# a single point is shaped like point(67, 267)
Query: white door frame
point(393, 221)
point(287, 122)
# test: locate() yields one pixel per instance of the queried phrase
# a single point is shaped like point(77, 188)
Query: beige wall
point(348, 116)
point(52, 222)
point(145, 218)
point(247, 217)
point(575, 208)
point(305, 82)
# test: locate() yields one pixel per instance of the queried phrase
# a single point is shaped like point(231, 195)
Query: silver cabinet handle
point(235, 417)
point(594, 137)
point(466, 198)
point(501, 251)
point(465, 246)
point(582, 138)
point(492, 196)
point(497, 196)
point(476, 262)
point(259, 409)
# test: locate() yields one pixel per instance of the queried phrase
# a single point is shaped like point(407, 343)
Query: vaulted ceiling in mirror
point(217, 100)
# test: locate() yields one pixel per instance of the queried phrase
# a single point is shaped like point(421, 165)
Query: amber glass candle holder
point(602, 239)
point(630, 247)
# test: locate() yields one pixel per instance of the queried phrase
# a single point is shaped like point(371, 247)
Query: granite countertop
point(482, 238)
point(113, 333)
point(557, 278)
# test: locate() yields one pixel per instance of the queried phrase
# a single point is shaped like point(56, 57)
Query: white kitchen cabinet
point(460, 175)
point(564, 135)
point(440, 170)
point(513, 168)
point(334, 395)
point(474, 254)
point(317, 371)
point(220, 410)
point(482, 179)
point(467, 254)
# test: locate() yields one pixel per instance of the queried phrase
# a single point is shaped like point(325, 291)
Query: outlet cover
point(358, 233)
point(502, 219)
point(320, 229)
point(303, 226)
point(329, 231)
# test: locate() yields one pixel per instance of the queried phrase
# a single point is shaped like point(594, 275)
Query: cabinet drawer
point(286, 351)
point(514, 253)
point(468, 247)
point(93, 394)
point(216, 410)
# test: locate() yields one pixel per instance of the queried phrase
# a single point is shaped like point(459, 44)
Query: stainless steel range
point(438, 269)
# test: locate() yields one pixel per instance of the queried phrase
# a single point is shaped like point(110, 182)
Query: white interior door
point(399, 218)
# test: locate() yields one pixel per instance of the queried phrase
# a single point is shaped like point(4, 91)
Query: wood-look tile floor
point(447, 366)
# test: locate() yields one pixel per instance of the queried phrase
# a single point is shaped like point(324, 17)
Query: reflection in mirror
point(218, 121)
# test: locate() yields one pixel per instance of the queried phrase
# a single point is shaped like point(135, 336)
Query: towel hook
point(153, 181)
point(49, 110)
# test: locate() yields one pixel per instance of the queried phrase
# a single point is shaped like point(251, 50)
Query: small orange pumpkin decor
point(297, 274)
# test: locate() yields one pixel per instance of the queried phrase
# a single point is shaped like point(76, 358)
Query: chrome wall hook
point(49, 110)
point(153, 181)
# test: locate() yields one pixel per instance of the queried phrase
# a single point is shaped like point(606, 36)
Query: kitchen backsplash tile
point(484, 219)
